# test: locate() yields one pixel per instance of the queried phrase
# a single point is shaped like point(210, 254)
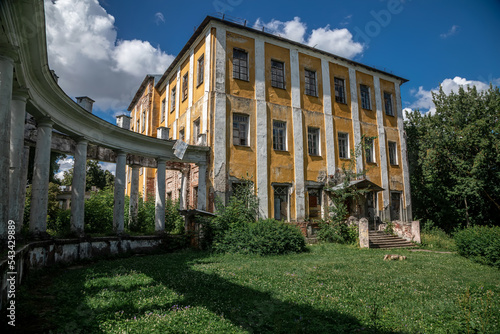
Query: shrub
point(61, 226)
point(145, 216)
point(263, 237)
point(99, 212)
point(480, 244)
point(434, 237)
point(338, 232)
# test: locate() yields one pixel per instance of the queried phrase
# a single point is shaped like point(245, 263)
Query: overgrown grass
point(437, 240)
point(331, 289)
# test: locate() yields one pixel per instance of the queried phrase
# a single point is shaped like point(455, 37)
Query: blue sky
point(104, 48)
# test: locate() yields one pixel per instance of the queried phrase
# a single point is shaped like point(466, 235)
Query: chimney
point(123, 121)
point(162, 132)
point(85, 102)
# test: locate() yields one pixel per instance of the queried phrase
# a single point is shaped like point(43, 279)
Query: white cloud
point(85, 54)
point(108, 166)
point(453, 30)
point(337, 41)
point(64, 165)
point(159, 18)
point(424, 97)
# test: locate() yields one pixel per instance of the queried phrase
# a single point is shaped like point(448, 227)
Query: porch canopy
point(359, 184)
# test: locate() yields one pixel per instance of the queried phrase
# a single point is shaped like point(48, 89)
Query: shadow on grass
point(249, 309)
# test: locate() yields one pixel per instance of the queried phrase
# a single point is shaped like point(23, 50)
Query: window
point(365, 97)
point(393, 158)
point(181, 134)
point(277, 74)
point(185, 80)
point(395, 205)
point(169, 196)
point(313, 141)
point(201, 70)
point(137, 125)
point(240, 130)
point(279, 135)
point(388, 104)
point(310, 83)
point(162, 111)
point(172, 100)
point(281, 207)
point(340, 90)
point(195, 197)
point(314, 203)
point(343, 145)
point(240, 64)
point(369, 150)
point(143, 121)
point(196, 130)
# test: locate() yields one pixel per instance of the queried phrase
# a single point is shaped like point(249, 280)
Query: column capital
point(120, 153)
point(81, 140)
point(161, 160)
point(45, 121)
point(135, 166)
point(21, 94)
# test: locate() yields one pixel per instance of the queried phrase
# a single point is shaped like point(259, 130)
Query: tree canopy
point(96, 176)
point(454, 158)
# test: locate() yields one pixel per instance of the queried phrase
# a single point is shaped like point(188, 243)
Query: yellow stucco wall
point(366, 115)
point(342, 72)
point(236, 87)
point(308, 102)
point(274, 94)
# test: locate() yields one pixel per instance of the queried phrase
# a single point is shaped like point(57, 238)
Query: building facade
point(280, 113)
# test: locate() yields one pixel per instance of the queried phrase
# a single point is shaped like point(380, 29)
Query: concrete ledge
point(46, 253)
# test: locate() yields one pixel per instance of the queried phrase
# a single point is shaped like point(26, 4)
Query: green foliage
point(174, 222)
point(263, 237)
point(95, 176)
point(435, 238)
point(99, 212)
point(454, 156)
point(53, 209)
point(242, 208)
point(61, 227)
point(331, 289)
point(339, 232)
point(480, 244)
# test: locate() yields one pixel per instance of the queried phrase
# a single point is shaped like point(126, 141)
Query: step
point(378, 239)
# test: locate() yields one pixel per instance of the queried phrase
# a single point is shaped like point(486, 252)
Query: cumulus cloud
point(64, 165)
point(453, 30)
point(108, 166)
point(424, 97)
point(84, 52)
point(337, 41)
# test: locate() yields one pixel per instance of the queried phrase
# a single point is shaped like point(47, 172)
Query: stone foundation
point(40, 254)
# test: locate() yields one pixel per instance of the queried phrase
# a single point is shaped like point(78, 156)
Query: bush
point(61, 227)
point(340, 233)
point(434, 237)
point(480, 244)
point(174, 222)
point(99, 212)
point(263, 237)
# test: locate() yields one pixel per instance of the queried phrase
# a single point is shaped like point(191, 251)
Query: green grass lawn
point(331, 288)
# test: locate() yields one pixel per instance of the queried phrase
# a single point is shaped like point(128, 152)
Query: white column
point(202, 186)
point(160, 196)
point(206, 81)
point(262, 128)
point(40, 187)
point(184, 185)
point(404, 155)
point(327, 110)
point(298, 138)
point(17, 117)
point(6, 79)
point(78, 187)
point(187, 131)
point(220, 117)
point(356, 126)
point(134, 195)
point(382, 147)
point(119, 200)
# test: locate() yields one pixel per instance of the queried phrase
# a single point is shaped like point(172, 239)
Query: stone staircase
point(379, 239)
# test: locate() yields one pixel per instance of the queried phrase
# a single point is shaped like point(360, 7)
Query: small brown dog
point(394, 257)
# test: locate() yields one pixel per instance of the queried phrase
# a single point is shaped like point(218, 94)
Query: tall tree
point(454, 157)
point(96, 176)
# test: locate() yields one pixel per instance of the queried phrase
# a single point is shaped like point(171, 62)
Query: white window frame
point(314, 132)
point(347, 151)
point(393, 147)
point(196, 130)
point(366, 102)
point(279, 129)
point(246, 137)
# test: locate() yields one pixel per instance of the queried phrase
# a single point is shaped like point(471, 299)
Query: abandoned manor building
point(281, 114)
